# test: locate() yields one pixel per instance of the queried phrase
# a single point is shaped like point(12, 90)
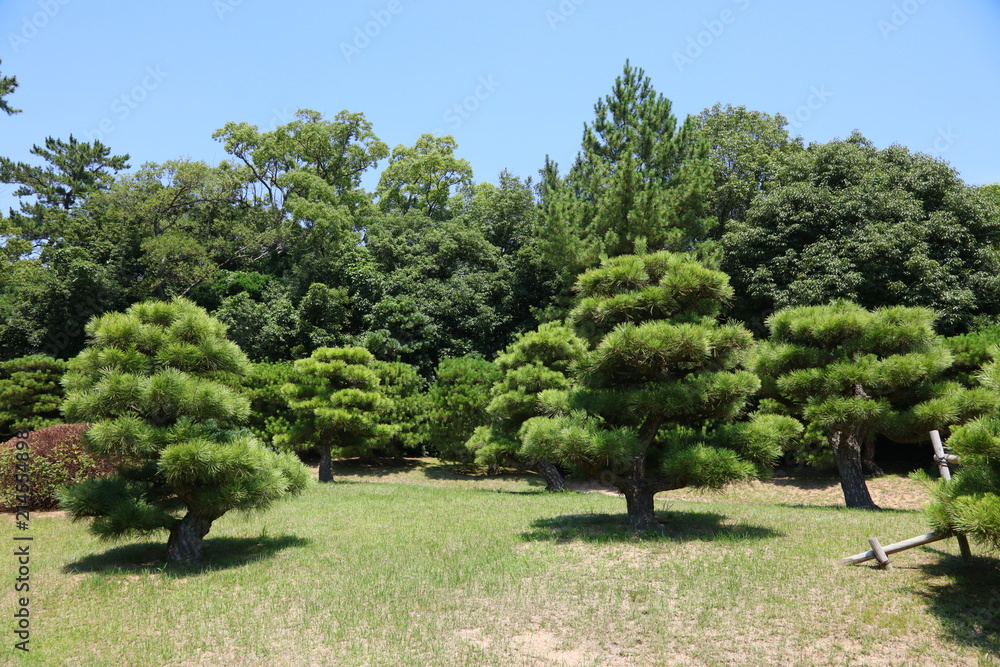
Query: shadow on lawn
point(966, 597)
point(219, 553)
point(679, 526)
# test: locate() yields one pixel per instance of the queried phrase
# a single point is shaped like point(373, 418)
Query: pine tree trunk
point(641, 516)
point(325, 465)
point(186, 539)
point(847, 447)
point(868, 465)
point(553, 479)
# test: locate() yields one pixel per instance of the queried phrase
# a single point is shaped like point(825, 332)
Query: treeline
point(282, 243)
point(434, 276)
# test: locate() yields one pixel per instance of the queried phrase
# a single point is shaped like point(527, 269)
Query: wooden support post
point(880, 555)
point(939, 456)
point(893, 548)
point(942, 460)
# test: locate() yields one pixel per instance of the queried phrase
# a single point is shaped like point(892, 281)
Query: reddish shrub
point(58, 457)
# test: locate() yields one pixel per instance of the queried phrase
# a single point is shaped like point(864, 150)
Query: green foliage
point(970, 503)
point(30, 393)
point(405, 430)
point(746, 149)
point(851, 373)
point(58, 457)
point(536, 362)
point(844, 220)
point(456, 404)
point(660, 361)
point(639, 182)
point(160, 384)
point(7, 86)
point(448, 290)
point(268, 403)
point(971, 352)
point(336, 402)
point(423, 178)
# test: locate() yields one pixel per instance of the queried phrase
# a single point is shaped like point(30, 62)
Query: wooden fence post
point(942, 460)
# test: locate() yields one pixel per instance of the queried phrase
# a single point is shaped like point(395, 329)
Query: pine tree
point(969, 504)
point(456, 404)
point(160, 385)
point(640, 182)
point(659, 361)
point(336, 401)
point(536, 362)
point(851, 374)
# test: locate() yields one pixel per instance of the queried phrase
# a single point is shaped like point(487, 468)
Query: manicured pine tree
point(404, 433)
point(851, 374)
point(969, 504)
point(659, 360)
point(336, 402)
point(535, 362)
point(456, 404)
point(160, 384)
point(30, 393)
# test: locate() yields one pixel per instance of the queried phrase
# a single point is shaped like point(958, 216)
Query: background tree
point(423, 178)
point(659, 358)
point(269, 410)
point(878, 227)
point(336, 402)
point(851, 373)
point(7, 86)
point(640, 182)
point(30, 393)
point(745, 150)
point(535, 362)
point(969, 504)
point(456, 404)
point(159, 383)
point(404, 421)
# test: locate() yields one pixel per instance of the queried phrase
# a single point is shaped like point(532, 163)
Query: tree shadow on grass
point(377, 467)
point(219, 553)
point(675, 526)
point(966, 597)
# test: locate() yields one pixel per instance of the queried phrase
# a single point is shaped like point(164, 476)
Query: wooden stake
point(942, 461)
point(939, 456)
point(880, 555)
point(893, 548)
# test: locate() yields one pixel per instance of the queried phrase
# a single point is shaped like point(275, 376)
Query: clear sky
point(513, 81)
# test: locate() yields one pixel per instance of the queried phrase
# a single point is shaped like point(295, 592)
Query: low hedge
point(58, 456)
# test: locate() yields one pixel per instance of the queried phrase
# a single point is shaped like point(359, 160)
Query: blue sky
point(512, 81)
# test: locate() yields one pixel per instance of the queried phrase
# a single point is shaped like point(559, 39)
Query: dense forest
point(694, 297)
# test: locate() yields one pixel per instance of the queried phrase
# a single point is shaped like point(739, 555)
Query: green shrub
point(58, 457)
point(30, 393)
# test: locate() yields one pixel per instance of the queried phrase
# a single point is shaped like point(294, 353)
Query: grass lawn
point(419, 565)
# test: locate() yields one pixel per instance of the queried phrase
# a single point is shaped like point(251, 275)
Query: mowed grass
point(420, 565)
